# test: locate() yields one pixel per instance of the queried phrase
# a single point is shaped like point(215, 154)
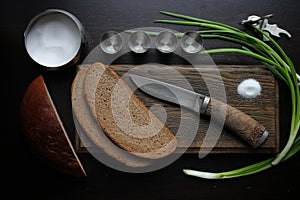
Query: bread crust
point(44, 130)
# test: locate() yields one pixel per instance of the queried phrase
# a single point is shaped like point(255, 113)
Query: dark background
point(29, 177)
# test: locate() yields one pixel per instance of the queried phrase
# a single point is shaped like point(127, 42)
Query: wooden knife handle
point(240, 123)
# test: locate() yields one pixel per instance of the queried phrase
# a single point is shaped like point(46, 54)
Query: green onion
point(274, 58)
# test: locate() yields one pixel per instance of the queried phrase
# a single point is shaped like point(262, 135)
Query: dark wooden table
point(33, 179)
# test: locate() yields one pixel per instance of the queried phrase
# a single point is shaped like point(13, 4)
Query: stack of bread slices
point(115, 120)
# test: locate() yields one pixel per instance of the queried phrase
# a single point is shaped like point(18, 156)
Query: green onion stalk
point(274, 58)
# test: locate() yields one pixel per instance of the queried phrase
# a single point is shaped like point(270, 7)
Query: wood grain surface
point(264, 108)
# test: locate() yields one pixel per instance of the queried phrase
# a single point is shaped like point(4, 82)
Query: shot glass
point(139, 42)
point(111, 42)
point(166, 42)
point(191, 42)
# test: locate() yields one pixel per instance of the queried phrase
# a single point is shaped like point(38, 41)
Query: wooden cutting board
point(264, 108)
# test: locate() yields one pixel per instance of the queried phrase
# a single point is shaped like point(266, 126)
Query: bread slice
point(123, 117)
point(44, 130)
point(90, 127)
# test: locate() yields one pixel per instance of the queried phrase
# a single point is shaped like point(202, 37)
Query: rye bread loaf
point(87, 122)
point(123, 117)
point(44, 129)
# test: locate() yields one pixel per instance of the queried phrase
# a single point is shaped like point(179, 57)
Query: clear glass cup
point(111, 42)
point(166, 42)
point(191, 42)
point(139, 42)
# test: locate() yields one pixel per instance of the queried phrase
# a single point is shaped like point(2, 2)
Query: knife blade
point(237, 121)
point(171, 93)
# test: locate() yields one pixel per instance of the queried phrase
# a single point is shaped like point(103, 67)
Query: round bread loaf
point(45, 132)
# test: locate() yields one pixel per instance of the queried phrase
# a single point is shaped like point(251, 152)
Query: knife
point(244, 126)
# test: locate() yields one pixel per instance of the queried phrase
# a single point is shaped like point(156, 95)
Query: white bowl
point(54, 39)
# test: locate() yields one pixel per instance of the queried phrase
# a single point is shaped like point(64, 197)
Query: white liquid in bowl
point(53, 40)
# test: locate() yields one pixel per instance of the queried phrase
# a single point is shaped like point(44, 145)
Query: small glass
point(191, 42)
point(111, 42)
point(139, 42)
point(166, 42)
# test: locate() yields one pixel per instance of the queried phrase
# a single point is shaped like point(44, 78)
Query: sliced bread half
point(45, 131)
point(89, 124)
point(123, 117)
